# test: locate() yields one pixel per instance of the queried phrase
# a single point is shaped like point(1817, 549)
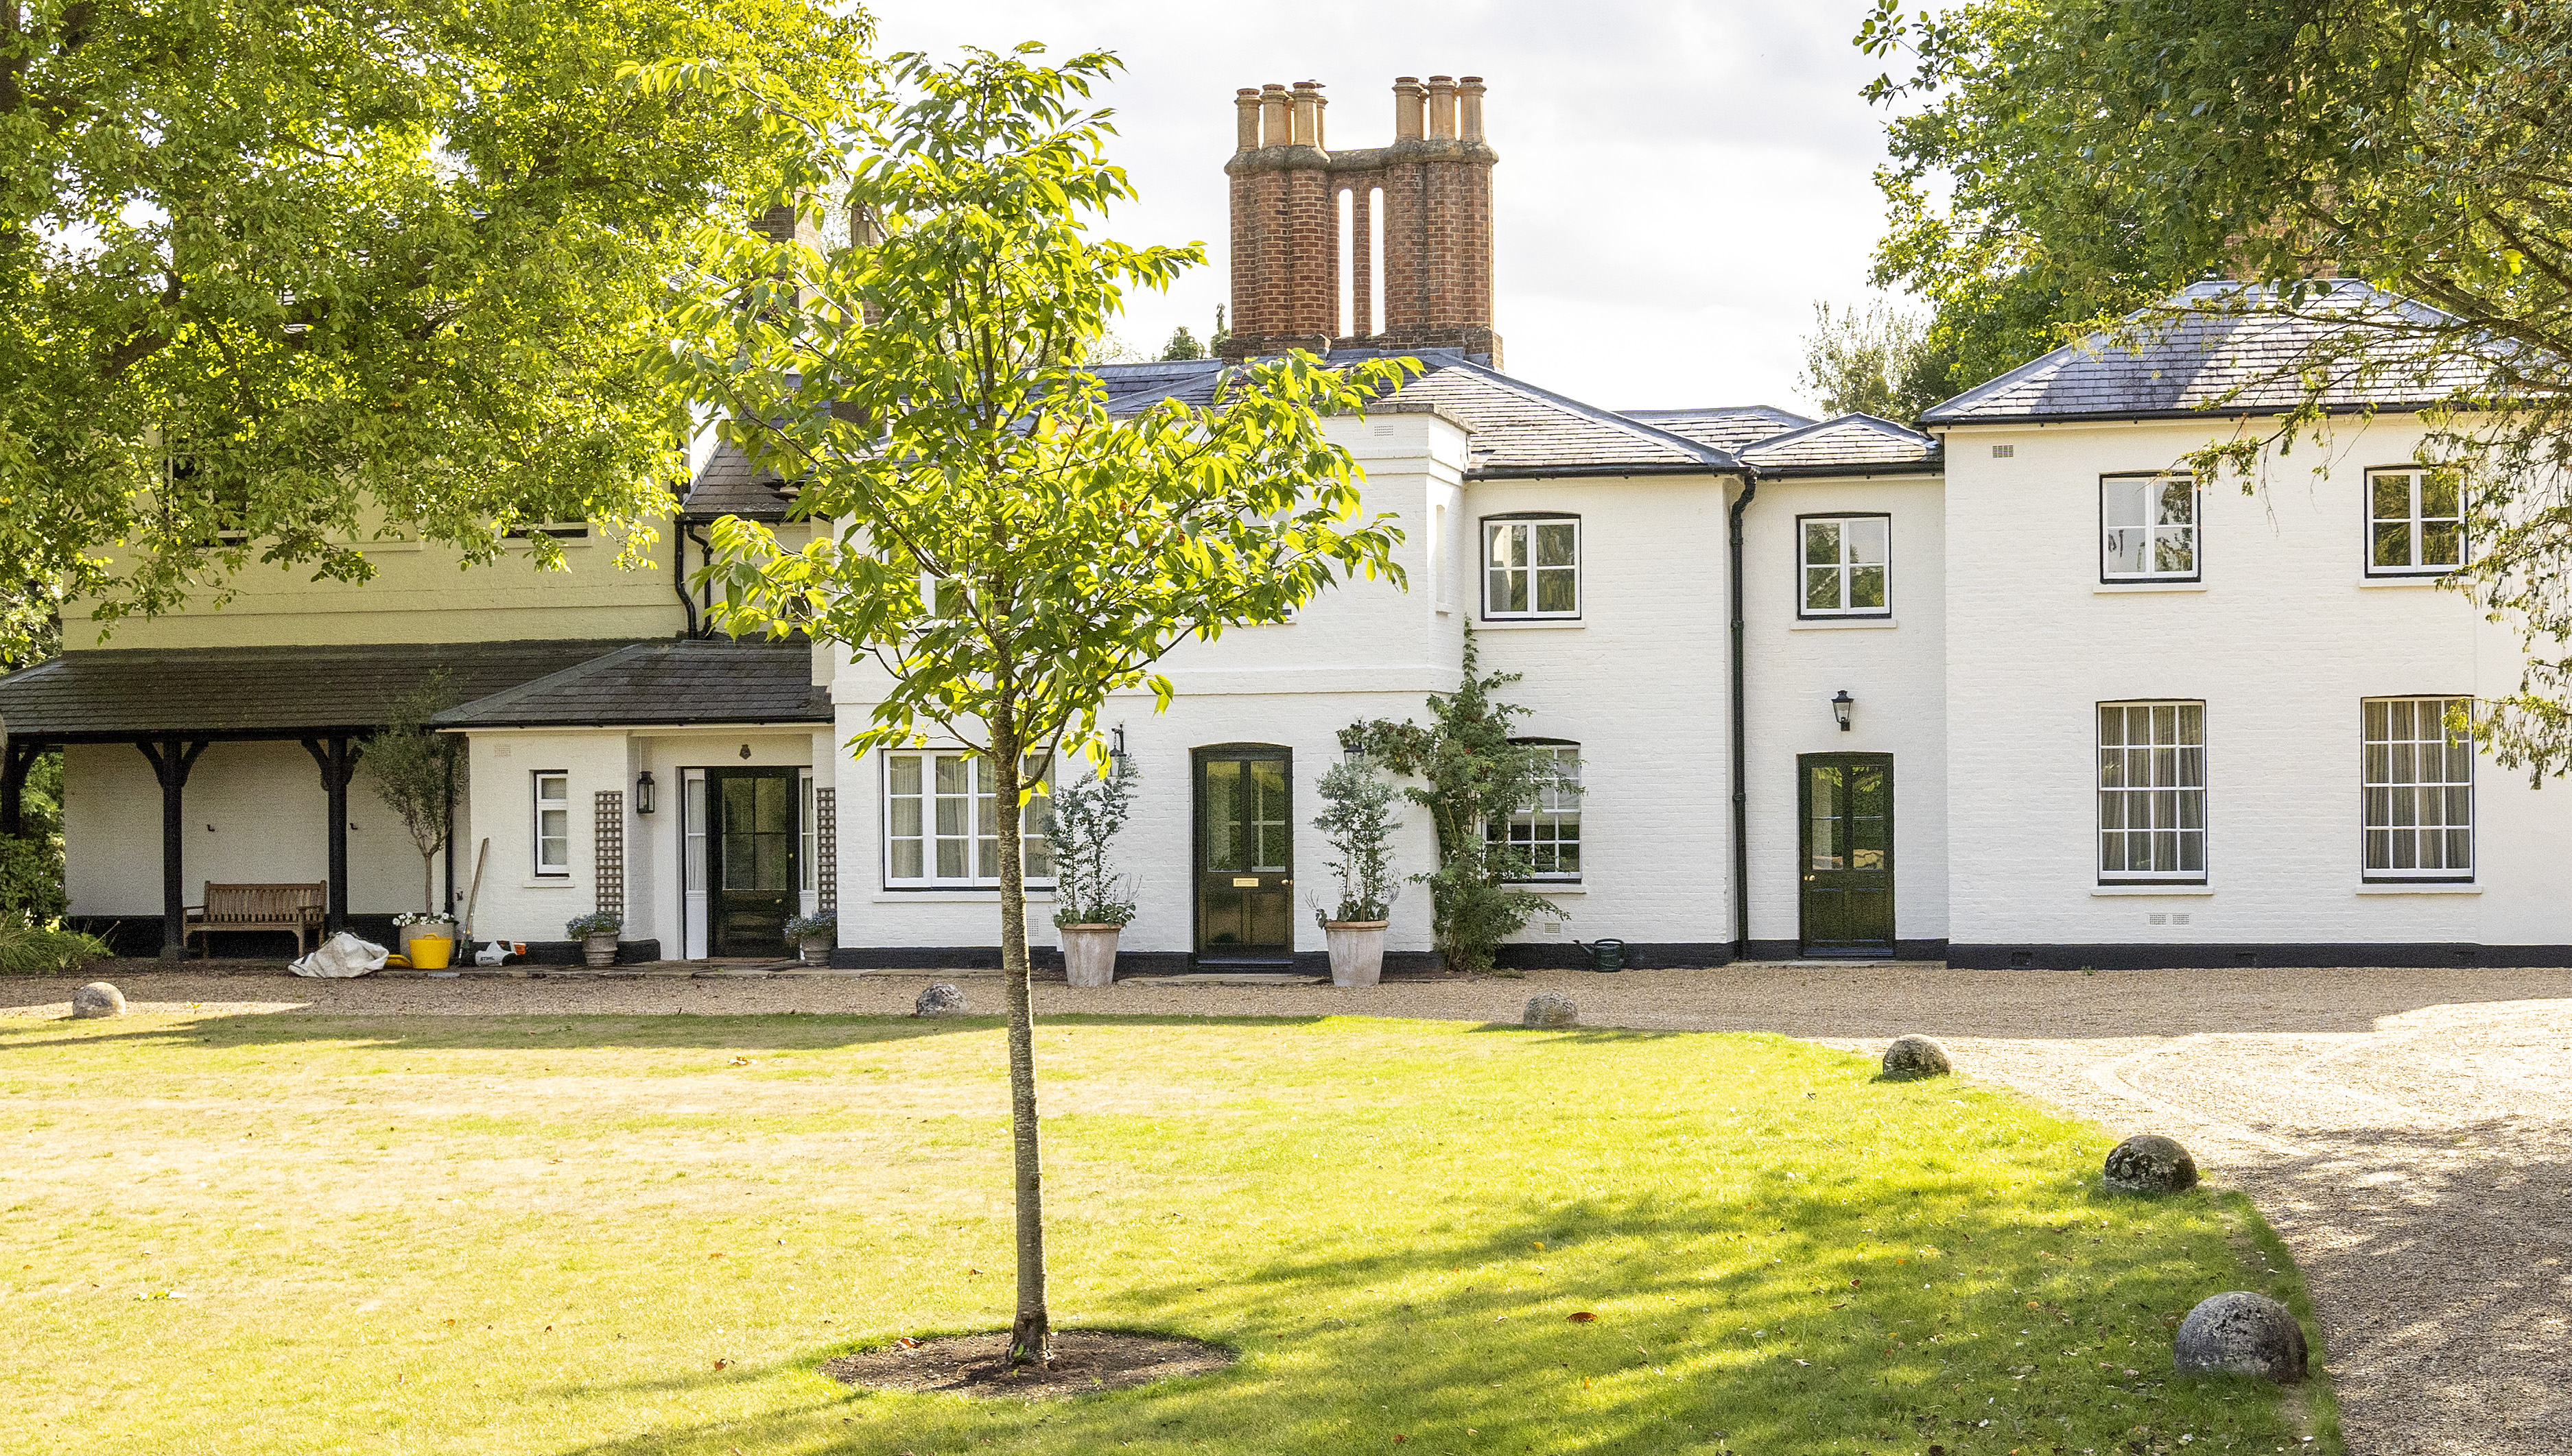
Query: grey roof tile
point(1852, 444)
point(1726, 427)
point(2218, 346)
point(688, 680)
point(258, 692)
point(729, 485)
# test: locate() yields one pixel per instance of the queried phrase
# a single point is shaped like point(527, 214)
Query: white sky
point(1679, 182)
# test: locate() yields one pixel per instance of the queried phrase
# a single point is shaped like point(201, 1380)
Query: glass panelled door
point(1847, 808)
point(756, 839)
point(1245, 852)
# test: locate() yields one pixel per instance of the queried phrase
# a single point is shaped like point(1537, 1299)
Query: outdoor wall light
point(647, 795)
point(1118, 752)
point(1841, 703)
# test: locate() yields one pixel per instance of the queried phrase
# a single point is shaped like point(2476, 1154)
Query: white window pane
point(1867, 540)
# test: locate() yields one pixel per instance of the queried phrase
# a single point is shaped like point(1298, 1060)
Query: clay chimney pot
point(1407, 99)
point(1245, 103)
point(1442, 106)
point(1276, 107)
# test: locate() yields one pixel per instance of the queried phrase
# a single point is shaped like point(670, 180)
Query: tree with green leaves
point(1000, 552)
point(1475, 777)
point(1873, 360)
point(2058, 165)
point(414, 769)
point(276, 279)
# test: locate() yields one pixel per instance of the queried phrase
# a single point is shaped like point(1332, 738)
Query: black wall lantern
point(1841, 703)
point(647, 795)
point(1118, 752)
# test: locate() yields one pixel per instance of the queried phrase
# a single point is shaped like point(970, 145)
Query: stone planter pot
point(1089, 953)
point(1357, 952)
point(815, 949)
point(411, 933)
point(600, 949)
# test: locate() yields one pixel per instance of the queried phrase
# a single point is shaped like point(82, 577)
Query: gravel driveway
point(2408, 1132)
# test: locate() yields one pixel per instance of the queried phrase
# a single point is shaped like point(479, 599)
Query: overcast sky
point(1679, 182)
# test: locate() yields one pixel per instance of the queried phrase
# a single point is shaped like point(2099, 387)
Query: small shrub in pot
point(1092, 903)
point(1357, 822)
point(597, 932)
point(814, 936)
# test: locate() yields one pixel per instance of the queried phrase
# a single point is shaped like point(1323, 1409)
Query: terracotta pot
point(1357, 952)
point(599, 949)
point(816, 949)
point(1089, 953)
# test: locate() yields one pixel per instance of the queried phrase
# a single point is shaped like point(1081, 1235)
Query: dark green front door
point(1846, 804)
point(753, 854)
point(1245, 853)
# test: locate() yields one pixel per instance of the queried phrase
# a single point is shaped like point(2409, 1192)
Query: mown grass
point(642, 1235)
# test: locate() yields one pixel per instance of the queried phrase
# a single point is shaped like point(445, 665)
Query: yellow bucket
point(431, 952)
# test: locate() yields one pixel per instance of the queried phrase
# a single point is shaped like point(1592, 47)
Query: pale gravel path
point(2408, 1132)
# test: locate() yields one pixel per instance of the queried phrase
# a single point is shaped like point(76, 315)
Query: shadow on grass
point(1698, 1345)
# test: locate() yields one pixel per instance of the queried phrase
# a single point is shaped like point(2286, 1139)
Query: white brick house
point(2005, 693)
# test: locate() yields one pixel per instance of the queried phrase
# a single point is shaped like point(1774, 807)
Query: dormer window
point(1530, 567)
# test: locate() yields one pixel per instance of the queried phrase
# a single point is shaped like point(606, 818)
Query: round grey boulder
point(2241, 1334)
point(97, 999)
point(2148, 1162)
point(940, 1000)
point(1910, 1057)
point(1551, 1009)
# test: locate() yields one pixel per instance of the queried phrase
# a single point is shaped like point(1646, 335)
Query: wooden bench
point(300, 908)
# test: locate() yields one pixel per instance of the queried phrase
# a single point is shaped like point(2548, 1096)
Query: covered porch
point(169, 707)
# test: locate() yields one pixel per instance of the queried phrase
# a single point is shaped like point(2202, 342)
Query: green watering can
point(1604, 955)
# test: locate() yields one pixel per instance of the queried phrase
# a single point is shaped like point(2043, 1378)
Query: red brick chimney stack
point(1431, 191)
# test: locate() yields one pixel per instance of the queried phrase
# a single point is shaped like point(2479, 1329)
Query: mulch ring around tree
point(978, 1364)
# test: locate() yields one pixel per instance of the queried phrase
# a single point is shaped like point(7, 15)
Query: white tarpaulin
point(341, 955)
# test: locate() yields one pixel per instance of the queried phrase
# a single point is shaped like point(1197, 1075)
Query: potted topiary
point(1092, 905)
point(1357, 822)
point(814, 936)
point(596, 933)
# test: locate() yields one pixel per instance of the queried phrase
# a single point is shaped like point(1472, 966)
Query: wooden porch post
point(13, 785)
point(170, 760)
point(339, 761)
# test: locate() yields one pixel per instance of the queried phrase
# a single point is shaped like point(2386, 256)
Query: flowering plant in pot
point(1357, 822)
point(814, 936)
point(596, 933)
point(1092, 903)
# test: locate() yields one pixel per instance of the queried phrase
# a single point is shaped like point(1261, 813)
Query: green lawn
point(542, 1235)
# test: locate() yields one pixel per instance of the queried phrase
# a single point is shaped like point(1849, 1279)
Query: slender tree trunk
point(1031, 1333)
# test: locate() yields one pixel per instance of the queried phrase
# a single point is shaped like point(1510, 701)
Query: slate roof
point(112, 695)
point(1519, 430)
point(1726, 427)
point(729, 485)
point(1852, 444)
point(2219, 347)
point(685, 681)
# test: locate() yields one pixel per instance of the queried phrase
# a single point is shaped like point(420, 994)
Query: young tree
point(2060, 164)
point(414, 769)
point(275, 278)
point(1475, 777)
point(1357, 822)
point(1002, 549)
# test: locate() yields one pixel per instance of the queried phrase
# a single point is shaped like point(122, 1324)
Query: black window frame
point(1483, 565)
point(2197, 526)
point(2366, 518)
point(536, 822)
point(1870, 614)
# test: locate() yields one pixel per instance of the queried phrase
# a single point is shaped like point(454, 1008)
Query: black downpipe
point(679, 572)
point(1741, 737)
